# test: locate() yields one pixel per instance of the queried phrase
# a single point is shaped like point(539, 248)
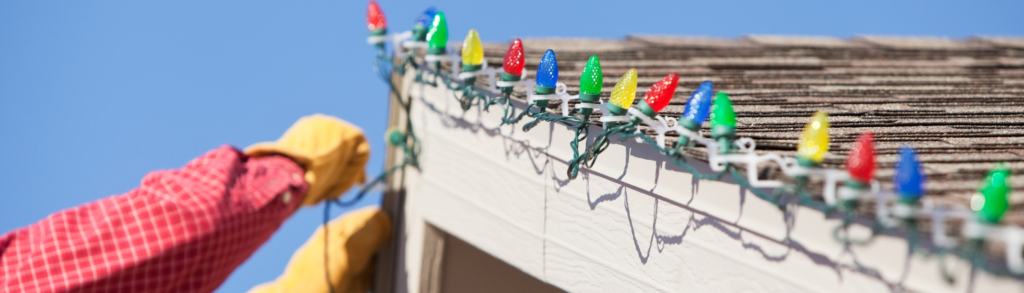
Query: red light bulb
point(661, 92)
point(861, 163)
point(515, 59)
point(375, 17)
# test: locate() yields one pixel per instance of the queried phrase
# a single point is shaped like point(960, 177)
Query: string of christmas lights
point(842, 190)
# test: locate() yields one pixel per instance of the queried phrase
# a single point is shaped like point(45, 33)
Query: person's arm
point(181, 230)
point(186, 230)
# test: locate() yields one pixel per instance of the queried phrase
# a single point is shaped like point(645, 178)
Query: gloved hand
point(332, 151)
point(352, 239)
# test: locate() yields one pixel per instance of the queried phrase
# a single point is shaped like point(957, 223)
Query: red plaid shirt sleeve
point(182, 230)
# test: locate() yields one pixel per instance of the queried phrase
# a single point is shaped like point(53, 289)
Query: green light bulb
point(437, 37)
point(591, 80)
point(995, 189)
point(723, 122)
point(722, 114)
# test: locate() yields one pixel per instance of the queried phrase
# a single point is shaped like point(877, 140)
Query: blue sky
point(95, 94)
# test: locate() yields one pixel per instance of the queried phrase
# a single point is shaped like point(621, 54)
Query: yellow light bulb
point(814, 141)
point(472, 51)
point(625, 90)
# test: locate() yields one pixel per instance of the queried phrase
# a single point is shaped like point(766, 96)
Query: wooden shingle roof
point(960, 103)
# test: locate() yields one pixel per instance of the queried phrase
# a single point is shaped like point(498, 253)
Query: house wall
point(632, 223)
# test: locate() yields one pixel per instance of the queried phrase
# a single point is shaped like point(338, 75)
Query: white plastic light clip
point(411, 45)
point(1013, 237)
point(661, 125)
point(560, 94)
point(396, 39)
point(438, 58)
point(485, 70)
point(610, 118)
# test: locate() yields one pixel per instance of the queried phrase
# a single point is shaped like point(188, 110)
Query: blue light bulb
point(547, 71)
point(699, 106)
point(426, 17)
point(909, 180)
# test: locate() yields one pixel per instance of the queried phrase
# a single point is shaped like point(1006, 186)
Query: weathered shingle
point(921, 43)
point(803, 41)
point(1004, 42)
point(689, 42)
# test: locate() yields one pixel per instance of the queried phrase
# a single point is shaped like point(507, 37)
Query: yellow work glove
point(332, 151)
point(352, 239)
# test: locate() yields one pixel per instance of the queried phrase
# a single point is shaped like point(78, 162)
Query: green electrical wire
point(485, 99)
